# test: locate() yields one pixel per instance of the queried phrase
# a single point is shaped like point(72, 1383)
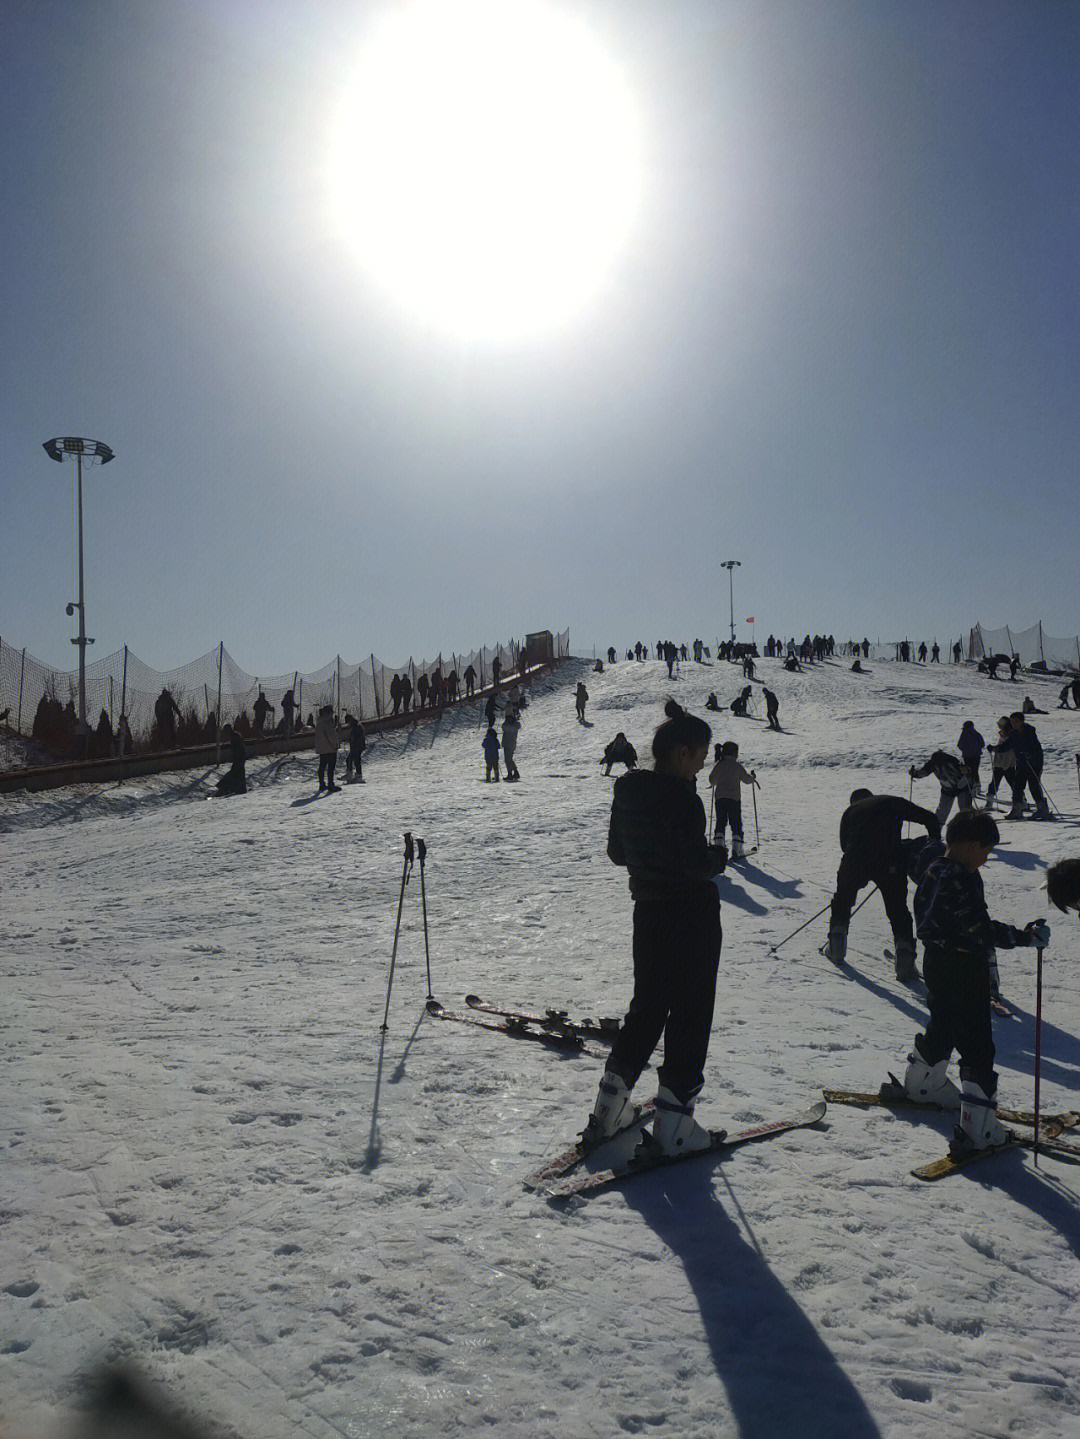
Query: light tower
point(731, 566)
point(60, 449)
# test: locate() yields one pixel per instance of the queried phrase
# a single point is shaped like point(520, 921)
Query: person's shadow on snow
point(780, 1377)
point(781, 888)
point(737, 898)
point(1059, 1050)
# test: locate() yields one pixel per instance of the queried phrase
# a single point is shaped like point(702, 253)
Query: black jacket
point(870, 830)
point(657, 831)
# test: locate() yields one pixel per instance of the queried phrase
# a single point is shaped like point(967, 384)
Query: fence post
point(22, 674)
point(337, 712)
point(375, 685)
point(123, 716)
point(217, 713)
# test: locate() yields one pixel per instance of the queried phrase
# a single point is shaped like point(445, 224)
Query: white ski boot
point(612, 1110)
point(905, 959)
point(836, 948)
point(738, 849)
point(928, 1084)
point(979, 1124)
point(675, 1129)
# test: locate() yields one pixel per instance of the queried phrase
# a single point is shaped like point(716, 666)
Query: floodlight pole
point(731, 566)
point(58, 449)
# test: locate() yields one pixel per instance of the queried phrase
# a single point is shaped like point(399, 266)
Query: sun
point(486, 165)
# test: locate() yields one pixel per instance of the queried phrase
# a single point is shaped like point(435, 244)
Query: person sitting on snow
point(619, 751)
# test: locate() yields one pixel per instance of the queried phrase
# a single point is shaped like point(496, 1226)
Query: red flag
point(750, 619)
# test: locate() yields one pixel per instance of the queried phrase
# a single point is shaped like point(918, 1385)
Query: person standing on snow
point(354, 760)
point(726, 778)
point(971, 745)
point(872, 853)
point(234, 780)
point(491, 754)
point(326, 746)
point(954, 779)
point(1023, 742)
point(581, 699)
point(657, 831)
point(959, 939)
point(772, 708)
point(510, 729)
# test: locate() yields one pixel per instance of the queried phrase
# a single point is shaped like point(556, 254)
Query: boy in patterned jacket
point(959, 936)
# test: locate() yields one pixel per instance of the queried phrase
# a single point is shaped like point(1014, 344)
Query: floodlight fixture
point(731, 566)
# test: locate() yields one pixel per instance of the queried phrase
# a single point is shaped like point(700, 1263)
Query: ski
point(557, 1020)
point(958, 1159)
point(553, 1039)
point(892, 1095)
point(652, 1157)
point(582, 1147)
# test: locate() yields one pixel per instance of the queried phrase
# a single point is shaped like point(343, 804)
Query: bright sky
point(835, 337)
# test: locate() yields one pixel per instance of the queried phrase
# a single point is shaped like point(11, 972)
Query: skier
point(491, 754)
point(470, 680)
point(957, 651)
point(742, 700)
point(511, 726)
point(619, 751)
point(1004, 761)
point(712, 703)
point(657, 832)
point(935, 653)
point(922, 653)
point(1024, 744)
point(954, 779)
point(260, 709)
point(1063, 884)
point(326, 746)
point(581, 699)
point(1014, 665)
point(233, 781)
point(872, 853)
point(772, 708)
point(1063, 698)
point(971, 745)
point(354, 760)
point(288, 712)
point(959, 937)
point(725, 779)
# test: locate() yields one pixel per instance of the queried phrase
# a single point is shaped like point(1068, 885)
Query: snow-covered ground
point(216, 1167)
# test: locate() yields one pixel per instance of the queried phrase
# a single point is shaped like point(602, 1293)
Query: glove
point(1037, 934)
point(911, 770)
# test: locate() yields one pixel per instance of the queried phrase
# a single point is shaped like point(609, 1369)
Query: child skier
point(491, 755)
point(619, 751)
point(657, 832)
point(726, 777)
point(971, 745)
point(953, 777)
point(581, 699)
point(959, 937)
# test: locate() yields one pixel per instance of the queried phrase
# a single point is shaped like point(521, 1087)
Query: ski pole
point(1038, 1057)
point(421, 852)
point(397, 927)
point(757, 830)
point(712, 797)
point(773, 948)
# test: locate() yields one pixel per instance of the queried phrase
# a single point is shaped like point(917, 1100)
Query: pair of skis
point(520, 1026)
point(892, 1095)
point(563, 1177)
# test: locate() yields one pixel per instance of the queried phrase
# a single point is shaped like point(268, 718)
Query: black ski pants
point(676, 956)
point(327, 765)
point(958, 991)
point(891, 880)
point(728, 811)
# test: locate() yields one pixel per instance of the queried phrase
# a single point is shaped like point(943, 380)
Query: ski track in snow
point(216, 1166)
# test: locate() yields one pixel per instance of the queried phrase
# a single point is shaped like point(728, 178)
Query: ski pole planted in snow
point(397, 927)
point(757, 830)
point(421, 854)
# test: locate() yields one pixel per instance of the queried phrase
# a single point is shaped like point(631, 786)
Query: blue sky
point(840, 344)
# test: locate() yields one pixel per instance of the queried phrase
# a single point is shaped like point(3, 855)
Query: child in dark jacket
point(657, 832)
point(960, 937)
point(491, 754)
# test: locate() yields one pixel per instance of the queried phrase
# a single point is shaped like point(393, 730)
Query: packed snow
point(218, 1170)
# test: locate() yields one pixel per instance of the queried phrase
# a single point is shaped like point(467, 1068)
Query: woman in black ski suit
point(658, 832)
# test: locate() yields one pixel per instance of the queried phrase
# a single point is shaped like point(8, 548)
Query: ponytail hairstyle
point(678, 729)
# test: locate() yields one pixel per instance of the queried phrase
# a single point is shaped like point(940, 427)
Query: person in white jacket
point(726, 778)
point(326, 746)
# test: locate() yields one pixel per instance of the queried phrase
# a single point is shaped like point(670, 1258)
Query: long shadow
point(373, 1153)
point(1018, 858)
point(783, 889)
point(737, 898)
point(1060, 1051)
point(916, 1012)
point(307, 799)
point(780, 1377)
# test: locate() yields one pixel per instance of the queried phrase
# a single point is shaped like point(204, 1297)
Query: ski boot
point(675, 1129)
point(836, 949)
point(904, 950)
point(738, 849)
point(979, 1126)
point(928, 1084)
point(612, 1110)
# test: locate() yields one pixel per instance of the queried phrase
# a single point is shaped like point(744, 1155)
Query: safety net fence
point(1032, 645)
point(42, 703)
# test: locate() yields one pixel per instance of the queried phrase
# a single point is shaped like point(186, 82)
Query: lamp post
point(60, 449)
point(731, 566)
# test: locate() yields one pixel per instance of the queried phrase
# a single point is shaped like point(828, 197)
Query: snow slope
point(215, 1166)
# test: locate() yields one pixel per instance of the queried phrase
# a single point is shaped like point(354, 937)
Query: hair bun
point(673, 708)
